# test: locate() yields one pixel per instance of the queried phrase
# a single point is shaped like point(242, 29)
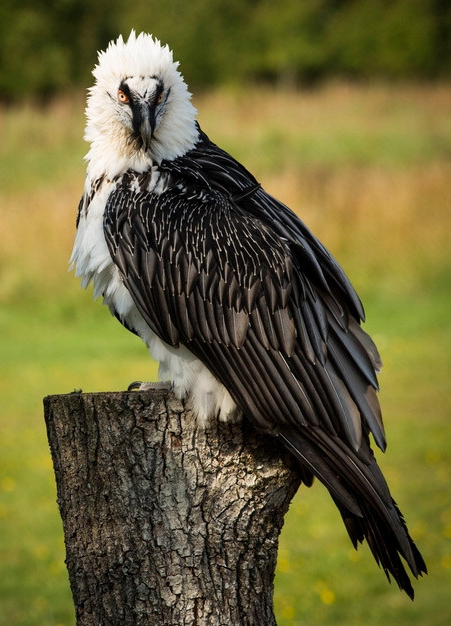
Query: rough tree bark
point(166, 523)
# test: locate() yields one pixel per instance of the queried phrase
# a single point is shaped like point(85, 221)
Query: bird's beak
point(144, 122)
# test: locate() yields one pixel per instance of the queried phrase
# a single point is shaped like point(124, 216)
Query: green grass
point(369, 170)
point(321, 579)
point(47, 351)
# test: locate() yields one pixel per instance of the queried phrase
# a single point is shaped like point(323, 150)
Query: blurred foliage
point(48, 46)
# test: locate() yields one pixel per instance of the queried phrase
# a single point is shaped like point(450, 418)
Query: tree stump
point(166, 522)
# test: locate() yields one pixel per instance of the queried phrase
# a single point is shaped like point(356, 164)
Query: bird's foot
point(138, 385)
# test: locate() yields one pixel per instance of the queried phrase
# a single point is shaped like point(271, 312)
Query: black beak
point(144, 122)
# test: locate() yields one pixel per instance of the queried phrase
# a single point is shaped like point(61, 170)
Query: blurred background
point(342, 109)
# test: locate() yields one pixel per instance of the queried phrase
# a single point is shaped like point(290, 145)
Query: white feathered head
point(139, 110)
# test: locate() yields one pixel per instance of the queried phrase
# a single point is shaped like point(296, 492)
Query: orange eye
point(122, 96)
point(160, 98)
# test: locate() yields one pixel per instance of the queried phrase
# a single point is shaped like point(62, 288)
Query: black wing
point(264, 306)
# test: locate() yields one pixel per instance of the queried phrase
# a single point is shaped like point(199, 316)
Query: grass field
point(369, 169)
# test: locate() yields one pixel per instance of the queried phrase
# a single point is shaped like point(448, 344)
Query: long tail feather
point(362, 497)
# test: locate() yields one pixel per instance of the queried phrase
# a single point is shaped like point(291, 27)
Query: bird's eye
point(122, 96)
point(160, 97)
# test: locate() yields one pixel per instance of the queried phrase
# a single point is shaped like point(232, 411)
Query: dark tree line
point(49, 46)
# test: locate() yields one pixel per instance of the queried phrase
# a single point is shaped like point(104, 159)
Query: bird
point(248, 314)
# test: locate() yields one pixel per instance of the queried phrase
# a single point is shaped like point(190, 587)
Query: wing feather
point(227, 271)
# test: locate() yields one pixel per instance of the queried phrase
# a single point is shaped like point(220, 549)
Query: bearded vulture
point(245, 310)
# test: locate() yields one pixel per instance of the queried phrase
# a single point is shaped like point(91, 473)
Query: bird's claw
point(138, 385)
